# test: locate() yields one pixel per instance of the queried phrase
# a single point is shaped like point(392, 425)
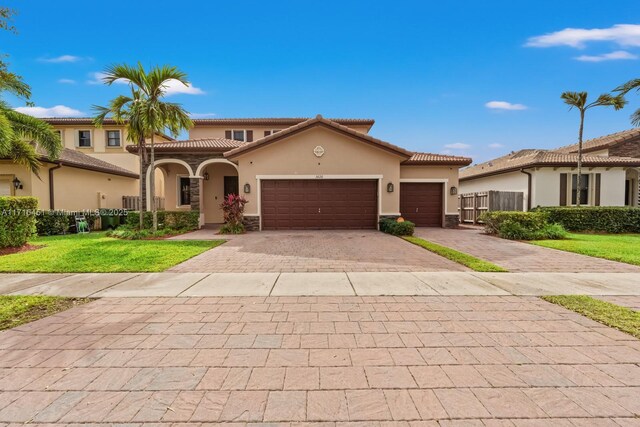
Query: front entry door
point(231, 185)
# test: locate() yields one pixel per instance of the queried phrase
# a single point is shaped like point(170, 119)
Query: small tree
point(578, 100)
point(233, 210)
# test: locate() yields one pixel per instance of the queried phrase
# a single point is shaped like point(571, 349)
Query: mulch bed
point(19, 249)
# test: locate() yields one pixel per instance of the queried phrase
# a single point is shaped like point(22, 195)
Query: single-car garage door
point(319, 204)
point(421, 203)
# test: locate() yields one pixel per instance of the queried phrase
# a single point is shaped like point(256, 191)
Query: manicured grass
point(470, 261)
point(621, 318)
point(616, 247)
point(96, 253)
point(16, 310)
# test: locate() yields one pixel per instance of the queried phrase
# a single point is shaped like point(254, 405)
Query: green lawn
point(621, 318)
point(96, 253)
point(616, 247)
point(470, 261)
point(16, 310)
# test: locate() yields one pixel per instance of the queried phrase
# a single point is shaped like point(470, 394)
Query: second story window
point(84, 138)
point(239, 135)
point(270, 132)
point(113, 138)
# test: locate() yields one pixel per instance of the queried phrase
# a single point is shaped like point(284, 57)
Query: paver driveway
point(309, 251)
point(473, 360)
point(519, 256)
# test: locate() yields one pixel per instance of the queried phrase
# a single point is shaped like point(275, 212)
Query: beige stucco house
point(305, 173)
point(611, 167)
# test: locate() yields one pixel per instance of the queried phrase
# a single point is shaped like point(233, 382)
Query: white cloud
point(55, 111)
point(202, 115)
point(67, 81)
point(504, 105)
point(62, 58)
point(612, 56)
point(174, 87)
point(496, 145)
point(457, 146)
point(96, 79)
point(620, 34)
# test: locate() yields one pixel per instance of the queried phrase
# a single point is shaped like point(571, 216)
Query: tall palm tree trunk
point(152, 178)
point(141, 180)
point(579, 180)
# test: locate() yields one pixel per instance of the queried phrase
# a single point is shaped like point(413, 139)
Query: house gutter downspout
point(528, 188)
point(51, 195)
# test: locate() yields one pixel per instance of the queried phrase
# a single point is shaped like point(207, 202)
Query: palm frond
point(607, 100)
point(628, 87)
point(32, 129)
point(13, 83)
point(574, 99)
point(24, 154)
point(7, 135)
point(635, 118)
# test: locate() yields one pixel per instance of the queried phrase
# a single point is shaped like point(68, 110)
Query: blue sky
point(423, 70)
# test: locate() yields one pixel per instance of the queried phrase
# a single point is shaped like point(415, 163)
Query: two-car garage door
point(319, 204)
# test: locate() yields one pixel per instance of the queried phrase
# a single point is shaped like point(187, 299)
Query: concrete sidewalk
point(318, 284)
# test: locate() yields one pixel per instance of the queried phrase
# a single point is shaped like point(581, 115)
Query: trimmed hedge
point(391, 226)
point(175, 220)
point(516, 225)
point(17, 220)
point(595, 218)
point(51, 223)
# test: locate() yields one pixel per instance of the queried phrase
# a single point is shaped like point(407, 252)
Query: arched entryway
point(176, 175)
point(219, 178)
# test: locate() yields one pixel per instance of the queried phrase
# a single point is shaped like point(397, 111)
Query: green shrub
point(522, 225)
point(391, 226)
point(229, 228)
point(595, 218)
point(175, 220)
point(127, 233)
point(17, 220)
point(50, 223)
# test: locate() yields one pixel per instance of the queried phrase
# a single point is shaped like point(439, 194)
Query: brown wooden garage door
point(319, 204)
point(421, 203)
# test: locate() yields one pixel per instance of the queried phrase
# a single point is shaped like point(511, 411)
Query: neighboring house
point(306, 174)
point(611, 168)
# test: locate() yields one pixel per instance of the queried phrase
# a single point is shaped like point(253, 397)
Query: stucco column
point(143, 187)
point(196, 200)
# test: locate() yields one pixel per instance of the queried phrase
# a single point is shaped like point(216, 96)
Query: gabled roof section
point(603, 142)
point(533, 158)
point(436, 159)
point(199, 145)
point(277, 121)
point(318, 121)
point(76, 159)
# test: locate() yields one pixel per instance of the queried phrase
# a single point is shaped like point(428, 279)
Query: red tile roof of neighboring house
point(438, 159)
point(277, 121)
point(534, 157)
point(76, 159)
point(602, 142)
point(318, 121)
point(200, 145)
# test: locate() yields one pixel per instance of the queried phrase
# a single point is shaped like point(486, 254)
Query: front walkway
point(476, 361)
point(312, 251)
point(518, 256)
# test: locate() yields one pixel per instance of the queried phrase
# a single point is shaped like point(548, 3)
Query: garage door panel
point(422, 203)
point(319, 204)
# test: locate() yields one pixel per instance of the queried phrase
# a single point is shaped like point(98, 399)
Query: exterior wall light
point(453, 191)
point(247, 188)
point(390, 187)
point(17, 184)
point(206, 176)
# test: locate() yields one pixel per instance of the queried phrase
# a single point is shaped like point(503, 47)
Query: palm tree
point(144, 112)
point(578, 100)
point(625, 89)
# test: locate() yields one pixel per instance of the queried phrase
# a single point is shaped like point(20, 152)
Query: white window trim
point(78, 138)
point(244, 134)
point(106, 138)
point(179, 190)
point(590, 190)
point(259, 178)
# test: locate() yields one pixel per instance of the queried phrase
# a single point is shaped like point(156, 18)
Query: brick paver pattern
point(519, 256)
point(314, 251)
point(629, 301)
point(408, 361)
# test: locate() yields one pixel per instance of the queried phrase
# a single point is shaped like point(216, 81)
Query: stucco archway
point(210, 161)
point(162, 162)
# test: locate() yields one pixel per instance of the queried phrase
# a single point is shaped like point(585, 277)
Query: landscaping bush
point(392, 226)
point(515, 225)
point(595, 218)
point(233, 211)
point(51, 223)
point(17, 220)
point(174, 220)
point(128, 233)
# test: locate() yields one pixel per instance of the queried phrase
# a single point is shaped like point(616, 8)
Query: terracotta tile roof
point(436, 159)
point(76, 159)
point(318, 121)
point(535, 157)
point(200, 145)
point(277, 121)
point(602, 142)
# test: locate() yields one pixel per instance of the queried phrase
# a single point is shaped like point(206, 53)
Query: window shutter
point(563, 189)
point(267, 132)
point(598, 182)
point(227, 134)
point(249, 136)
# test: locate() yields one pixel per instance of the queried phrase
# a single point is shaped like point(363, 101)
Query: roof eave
point(552, 165)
